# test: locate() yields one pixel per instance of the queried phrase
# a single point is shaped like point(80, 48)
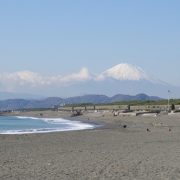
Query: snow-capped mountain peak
point(125, 71)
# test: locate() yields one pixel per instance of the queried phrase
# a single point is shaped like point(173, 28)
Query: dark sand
point(109, 152)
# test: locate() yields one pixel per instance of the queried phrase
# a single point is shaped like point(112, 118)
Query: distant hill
point(139, 97)
point(10, 95)
point(13, 104)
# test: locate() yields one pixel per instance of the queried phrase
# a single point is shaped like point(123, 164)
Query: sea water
point(24, 125)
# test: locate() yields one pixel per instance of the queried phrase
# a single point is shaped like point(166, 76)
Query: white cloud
point(10, 81)
point(83, 75)
point(100, 77)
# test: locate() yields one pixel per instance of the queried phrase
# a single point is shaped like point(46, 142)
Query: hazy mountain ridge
point(13, 104)
point(10, 95)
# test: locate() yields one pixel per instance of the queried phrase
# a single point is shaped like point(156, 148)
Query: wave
point(64, 125)
point(43, 130)
point(56, 121)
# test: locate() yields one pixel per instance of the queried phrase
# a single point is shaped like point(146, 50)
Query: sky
point(48, 42)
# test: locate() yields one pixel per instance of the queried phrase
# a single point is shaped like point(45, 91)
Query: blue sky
point(58, 38)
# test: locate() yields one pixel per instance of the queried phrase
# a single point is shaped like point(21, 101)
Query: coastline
point(107, 152)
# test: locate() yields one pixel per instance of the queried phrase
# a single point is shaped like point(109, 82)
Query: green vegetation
point(79, 105)
point(35, 109)
point(131, 103)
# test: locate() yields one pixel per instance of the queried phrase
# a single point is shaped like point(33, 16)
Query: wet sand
point(108, 152)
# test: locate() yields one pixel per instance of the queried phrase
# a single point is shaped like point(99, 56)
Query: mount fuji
point(128, 72)
point(124, 79)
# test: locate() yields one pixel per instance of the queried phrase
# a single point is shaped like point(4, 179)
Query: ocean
point(24, 125)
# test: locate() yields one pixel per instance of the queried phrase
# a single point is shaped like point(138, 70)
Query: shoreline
point(107, 152)
point(106, 120)
point(49, 124)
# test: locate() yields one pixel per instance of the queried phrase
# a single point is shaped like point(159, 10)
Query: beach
point(125, 147)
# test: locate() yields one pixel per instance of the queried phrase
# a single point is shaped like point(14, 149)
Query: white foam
point(72, 126)
point(26, 117)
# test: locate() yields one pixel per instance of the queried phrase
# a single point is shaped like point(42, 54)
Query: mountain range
point(13, 104)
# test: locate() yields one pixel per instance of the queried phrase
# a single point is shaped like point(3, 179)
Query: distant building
point(54, 107)
point(63, 104)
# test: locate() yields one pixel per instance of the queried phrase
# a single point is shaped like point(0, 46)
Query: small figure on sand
point(169, 129)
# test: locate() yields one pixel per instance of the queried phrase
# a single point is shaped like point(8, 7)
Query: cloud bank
point(10, 81)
